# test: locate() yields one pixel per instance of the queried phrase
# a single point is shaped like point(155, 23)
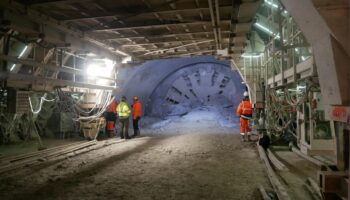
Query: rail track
point(288, 176)
point(8, 164)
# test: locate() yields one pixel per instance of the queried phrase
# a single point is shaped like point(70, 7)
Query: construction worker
point(123, 111)
point(245, 111)
point(136, 115)
point(111, 117)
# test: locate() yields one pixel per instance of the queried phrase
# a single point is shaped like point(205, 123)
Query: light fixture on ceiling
point(267, 30)
point(270, 3)
point(251, 55)
point(20, 55)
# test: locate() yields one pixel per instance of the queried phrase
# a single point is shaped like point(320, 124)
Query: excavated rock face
point(177, 86)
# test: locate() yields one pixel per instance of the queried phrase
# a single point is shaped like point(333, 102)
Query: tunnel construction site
point(175, 99)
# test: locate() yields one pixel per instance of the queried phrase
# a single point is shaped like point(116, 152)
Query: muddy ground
point(184, 166)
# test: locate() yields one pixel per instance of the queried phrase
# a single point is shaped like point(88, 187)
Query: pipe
point(218, 23)
point(212, 16)
point(195, 43)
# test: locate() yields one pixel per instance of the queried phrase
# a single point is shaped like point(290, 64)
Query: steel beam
point(166, 51)
point(193, 53)
point(234, 17)
point(24, 79)
point(123, 13)
point(164, 42)
point(213, 23)
point(177, 47)
point(26, 20)
point(217, 11)
point(47, 66)
point(166, 35)
point(49, 2)
point(144, 25)
point(330, 56)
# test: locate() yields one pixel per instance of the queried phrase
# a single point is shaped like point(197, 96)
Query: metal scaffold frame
point(283, 83)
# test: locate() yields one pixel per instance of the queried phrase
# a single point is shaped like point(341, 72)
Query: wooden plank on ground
point(276, 184)
point(277, 163)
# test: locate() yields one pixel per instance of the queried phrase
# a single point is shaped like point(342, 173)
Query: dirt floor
point(184, 166)
point(34, 145)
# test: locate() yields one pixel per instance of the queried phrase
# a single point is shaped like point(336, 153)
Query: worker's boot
point(136, 133)
point(126, 135)
point(111, 134)
point(249, 138)
point(242, 138)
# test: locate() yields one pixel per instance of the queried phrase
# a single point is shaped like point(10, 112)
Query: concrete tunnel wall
point(152, 81)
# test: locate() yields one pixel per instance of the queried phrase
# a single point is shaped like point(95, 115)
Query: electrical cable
point(101, 110)
point(92, 109)
point(42, 99)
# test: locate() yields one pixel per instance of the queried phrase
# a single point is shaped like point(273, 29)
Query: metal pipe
point(218, 22)
point(75, 55)
point(280, 28)
point(185, 45)
point(74, 67)
point(212, 16)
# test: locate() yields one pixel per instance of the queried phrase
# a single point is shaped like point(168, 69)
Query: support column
point(330, 55)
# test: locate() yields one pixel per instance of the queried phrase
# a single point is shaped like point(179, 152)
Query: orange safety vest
point(245, 110)
point(136, 109)
point(113, 106)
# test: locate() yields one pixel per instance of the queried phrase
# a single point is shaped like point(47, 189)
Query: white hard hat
point(245, 94)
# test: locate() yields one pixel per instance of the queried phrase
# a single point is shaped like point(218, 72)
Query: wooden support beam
point(309, 158)
point(277, 163)
point(277, 185)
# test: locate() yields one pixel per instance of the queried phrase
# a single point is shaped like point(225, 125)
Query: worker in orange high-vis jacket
point(245, 111)
point(111, 117)
point(136, 115)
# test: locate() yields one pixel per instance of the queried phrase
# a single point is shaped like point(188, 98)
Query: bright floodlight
point(94, 70)
point(126, 59)
point(100, 68)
